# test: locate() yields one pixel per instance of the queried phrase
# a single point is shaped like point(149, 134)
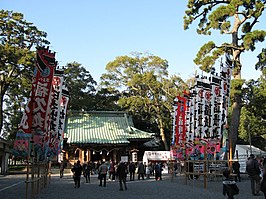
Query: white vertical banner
point(189, 117)
point(55, 112)
point(206, 108)
point(200, 108)
point(63, 111)
point(174, 120)
point(215, 109)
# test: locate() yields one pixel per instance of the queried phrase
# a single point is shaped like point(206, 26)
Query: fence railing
point(205, 168)
point(38, 177)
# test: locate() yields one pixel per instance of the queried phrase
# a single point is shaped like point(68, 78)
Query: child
point(229, 186)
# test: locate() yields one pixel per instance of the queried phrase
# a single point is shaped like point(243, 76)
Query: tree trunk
point(161, 127)
point(162, 134)
point(233, 130)
point(236, 103)
point(1, 109)
point(164, 138)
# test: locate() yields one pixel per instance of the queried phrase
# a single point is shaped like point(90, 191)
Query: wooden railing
point(38, 177)
point(206, 168)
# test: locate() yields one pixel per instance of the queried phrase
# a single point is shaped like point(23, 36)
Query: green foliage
point(262, 60)
point(235, 17)
point(18, 39)
point(253, 113)
point(81, 86)
point(236, 89)
point(104, 100)
point(207, 56)
point(147, 91)
point(251, 38)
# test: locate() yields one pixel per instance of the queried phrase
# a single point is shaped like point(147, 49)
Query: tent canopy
point(246, 150)
point(242, 153)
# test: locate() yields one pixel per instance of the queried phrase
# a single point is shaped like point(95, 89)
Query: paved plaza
point(13, 187)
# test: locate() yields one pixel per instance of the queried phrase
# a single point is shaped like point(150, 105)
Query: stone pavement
point(170, 187)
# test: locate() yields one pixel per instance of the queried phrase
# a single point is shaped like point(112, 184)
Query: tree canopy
point(232, 17)
point(18, 39)
point(146, 90)
point(237, 18)
point(253, 114)
point(81, 86)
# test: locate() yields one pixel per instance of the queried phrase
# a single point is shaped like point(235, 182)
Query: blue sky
point(93, 33)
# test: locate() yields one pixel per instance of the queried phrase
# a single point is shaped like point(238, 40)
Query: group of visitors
point(256, 170)
point(120, 170)
point(179, 167)
point(257, 173)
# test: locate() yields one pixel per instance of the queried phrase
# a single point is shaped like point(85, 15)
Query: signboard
point(156, 156)
point(124, 158)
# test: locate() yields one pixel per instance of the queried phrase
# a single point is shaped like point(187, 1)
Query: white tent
point(242, 153)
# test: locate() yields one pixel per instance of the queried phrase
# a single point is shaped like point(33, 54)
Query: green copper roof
point(102, 128)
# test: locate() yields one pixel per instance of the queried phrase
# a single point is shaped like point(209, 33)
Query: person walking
point(87, 172)
point(158, 171)
point(148, 171)
point(236, 170)
point(122, 172)
point(62, 168)
point(229, 186)
point(103, 169)
point(132, 170)
point(141, 171)
point(77, 170)
point(112, 171)
point(253, 170)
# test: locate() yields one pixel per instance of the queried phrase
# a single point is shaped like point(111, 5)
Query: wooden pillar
point(88, 155)
point(104, 155)
point(81, 156)
point(66, 155)
point(115, 155)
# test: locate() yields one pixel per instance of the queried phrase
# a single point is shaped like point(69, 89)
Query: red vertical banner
point(35, 120)
point(179, 130)
point(183, 116)
point(41, 118)
point(24, 134)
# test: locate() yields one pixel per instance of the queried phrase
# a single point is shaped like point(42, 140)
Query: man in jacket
point(122, 172)
point(132, 169)
point(103, 169)
point(236, 170)
point(253, 170)
point(141, 171)
point(77, 170)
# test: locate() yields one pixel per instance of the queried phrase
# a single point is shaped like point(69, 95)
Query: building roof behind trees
point(102, 127)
